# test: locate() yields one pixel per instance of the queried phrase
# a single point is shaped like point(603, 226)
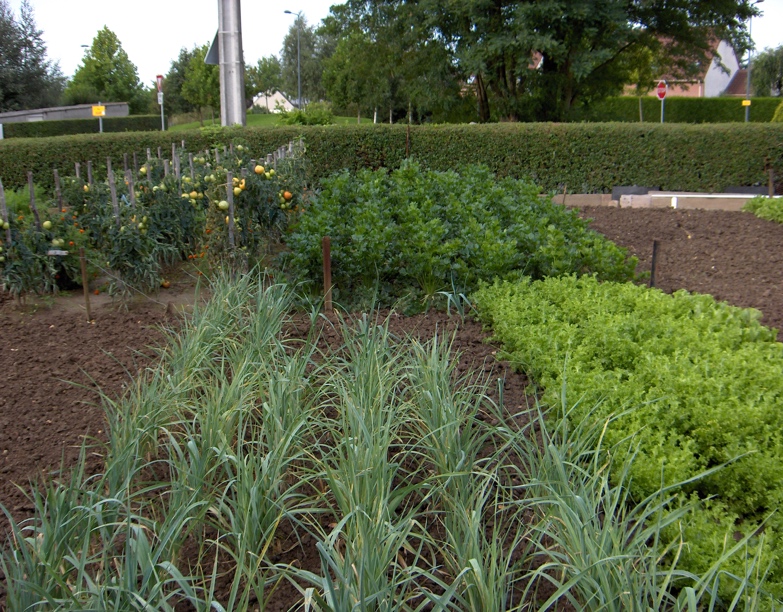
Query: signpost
point(160, 102)
point(660, 91)
point(99, 111)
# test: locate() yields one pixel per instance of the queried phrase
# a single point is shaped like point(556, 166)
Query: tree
point(767, 72)
point(201, 86)
point(106, 74)
point(587, 48)
point(27, 78)
point(386, 58)
point(173, 82)
point(313, 47)
point(266, 77)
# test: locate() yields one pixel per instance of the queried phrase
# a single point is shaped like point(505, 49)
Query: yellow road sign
point(746, 103)
point(98, 111)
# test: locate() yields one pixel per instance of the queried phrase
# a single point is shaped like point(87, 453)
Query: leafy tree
point(313, 48)
point(386, 58)
point(266, 77)
point(201, 86)
point(107, 74)
point(767, 72)
point(587, 48)
point(27, 78)
point(173, 83)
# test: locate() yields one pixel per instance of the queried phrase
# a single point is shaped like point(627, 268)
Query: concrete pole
point(232, 68)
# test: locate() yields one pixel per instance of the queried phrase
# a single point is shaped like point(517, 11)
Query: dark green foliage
point(42, 129)
point(695, 383)
point(316, 113)
point(415, 233)
point(584, 158)
point(677, 110)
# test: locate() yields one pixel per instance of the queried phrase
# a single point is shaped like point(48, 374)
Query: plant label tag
point(56, 253)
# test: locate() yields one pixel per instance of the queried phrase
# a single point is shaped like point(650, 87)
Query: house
point(273, 103)
point(712, 82)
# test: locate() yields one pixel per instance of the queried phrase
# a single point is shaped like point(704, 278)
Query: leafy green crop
point(412, 230)
point(695, 383)
point(763, 207)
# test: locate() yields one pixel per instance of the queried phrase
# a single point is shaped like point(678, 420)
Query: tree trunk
point(375, 115)
point(483, 100)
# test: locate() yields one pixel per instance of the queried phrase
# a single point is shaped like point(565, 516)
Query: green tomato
point(47, 225)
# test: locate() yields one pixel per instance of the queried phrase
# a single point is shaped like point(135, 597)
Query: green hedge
point(584, 157)
point(67, 127)
point(678, 110)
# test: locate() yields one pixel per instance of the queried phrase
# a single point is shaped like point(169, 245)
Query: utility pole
point(232, 68)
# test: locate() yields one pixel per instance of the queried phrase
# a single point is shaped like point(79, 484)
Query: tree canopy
point(106, 74)
point(27, 78)
point(531, 59)
point(766, 74)
point(314, 46)
point(201, 86)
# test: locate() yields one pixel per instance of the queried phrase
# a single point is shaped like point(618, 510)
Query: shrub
point(778, 116)
point(315, 113)
point(583, 158)
point(434, 231)
point(677, 110)
point(40, 129)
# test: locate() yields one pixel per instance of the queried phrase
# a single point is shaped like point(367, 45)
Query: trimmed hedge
point(584, 158)
point(678, 110)
point(66, 127)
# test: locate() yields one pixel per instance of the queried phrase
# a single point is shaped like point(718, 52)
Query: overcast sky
point(153, 32)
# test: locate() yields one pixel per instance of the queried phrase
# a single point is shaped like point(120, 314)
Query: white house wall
point(717, 78)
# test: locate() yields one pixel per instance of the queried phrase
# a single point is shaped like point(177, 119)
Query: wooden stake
point(113, 189)
point(135, 163)
point(78, 170)
point(89, 172)
point(771, 182)
point(58, 194)
point(85, 284)
point(31, 186)
point(131, 190)
point(654, 263)
point(230, 198)
point(149, 154)
point(124, 163)
point(326, 246)
point(4, 213)
point(408, 141)
point(190, 161)
point(165, 168)
point(160, 154)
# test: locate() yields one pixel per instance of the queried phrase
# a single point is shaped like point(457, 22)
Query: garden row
point(225, 205)
point(418, 491)
point(687, 392)
point(580, 158)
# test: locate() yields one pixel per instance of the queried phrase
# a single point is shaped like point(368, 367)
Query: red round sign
point(660, 91)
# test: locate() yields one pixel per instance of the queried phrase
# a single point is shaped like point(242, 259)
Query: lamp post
point(298, 60)
point(750, 63)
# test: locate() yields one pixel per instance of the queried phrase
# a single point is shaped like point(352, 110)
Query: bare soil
point(55, 364)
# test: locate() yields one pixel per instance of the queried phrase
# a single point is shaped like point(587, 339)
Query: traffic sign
point(746, 102)
point(160, 97)
point(660, 90)
point(98, 111)
point(159, 78)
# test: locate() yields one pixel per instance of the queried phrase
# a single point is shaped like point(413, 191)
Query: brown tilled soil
point(53, 361)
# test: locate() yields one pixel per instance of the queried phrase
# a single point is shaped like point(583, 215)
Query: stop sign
point(660, 90)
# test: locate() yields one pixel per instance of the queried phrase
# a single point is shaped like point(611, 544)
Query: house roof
point(738, 86)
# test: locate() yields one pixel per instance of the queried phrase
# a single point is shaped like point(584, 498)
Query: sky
point(152, 33)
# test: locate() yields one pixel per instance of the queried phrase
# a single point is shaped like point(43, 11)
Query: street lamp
point(298, 64)
point(750, 52)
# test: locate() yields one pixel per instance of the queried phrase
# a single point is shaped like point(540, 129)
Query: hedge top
point(584, 158)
